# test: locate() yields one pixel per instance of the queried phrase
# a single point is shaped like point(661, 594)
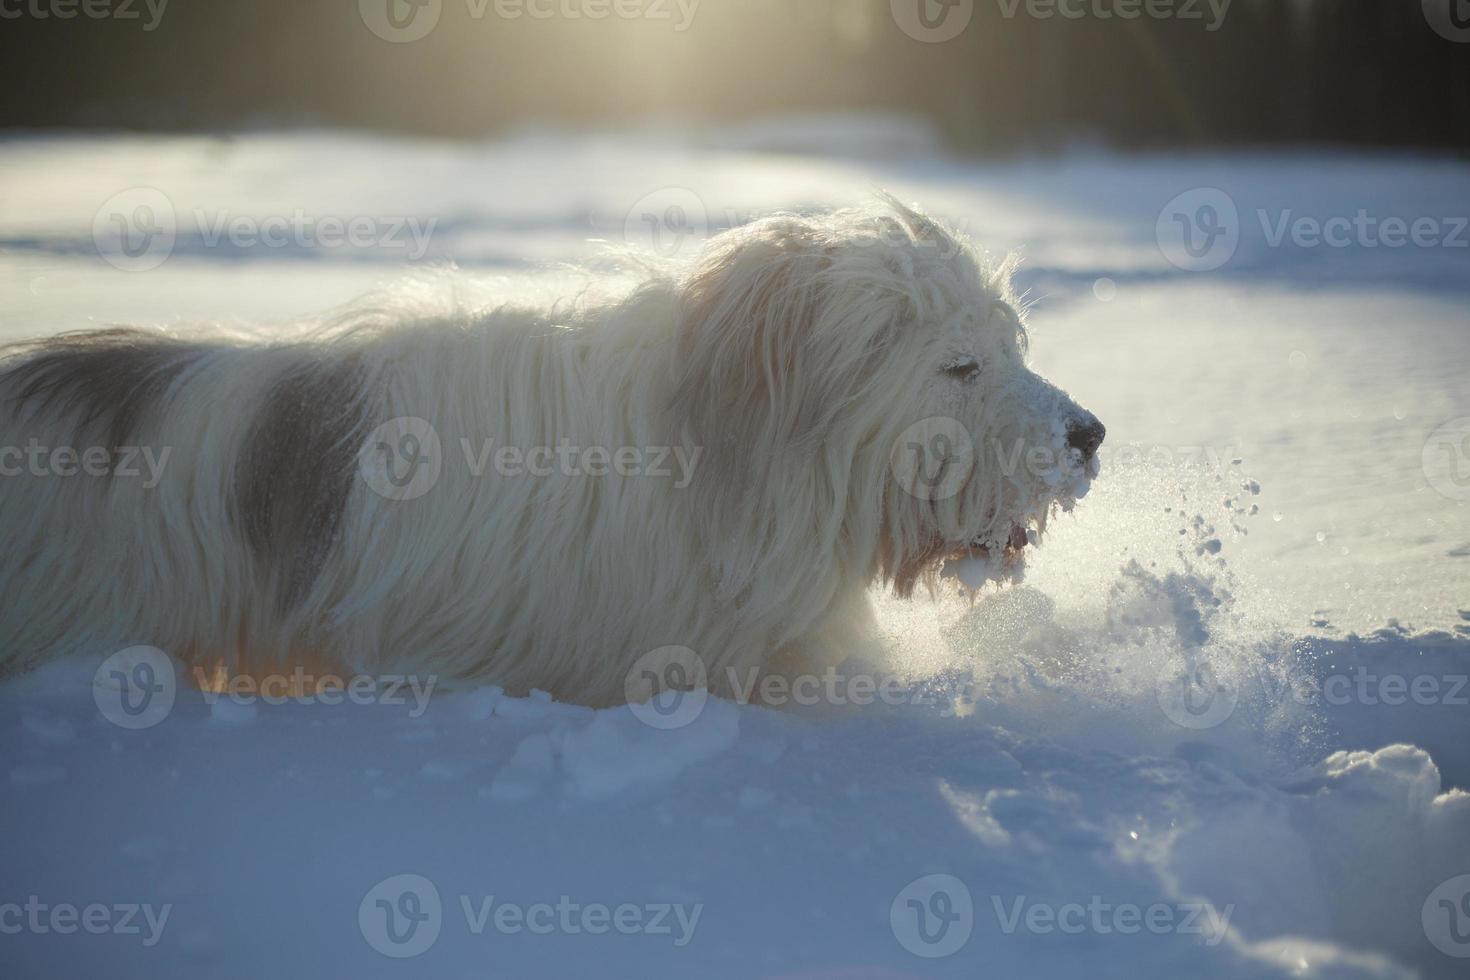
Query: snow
point(618, 750)
point(1220, 730)
point(973, 572)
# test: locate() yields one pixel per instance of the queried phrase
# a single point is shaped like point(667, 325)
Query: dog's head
point(859, 382)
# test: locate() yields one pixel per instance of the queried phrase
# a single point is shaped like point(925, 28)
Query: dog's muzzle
point(1085, 434)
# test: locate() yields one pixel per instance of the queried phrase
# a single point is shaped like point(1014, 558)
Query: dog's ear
point(785, 329)
point(752, 392)
point(750, 381)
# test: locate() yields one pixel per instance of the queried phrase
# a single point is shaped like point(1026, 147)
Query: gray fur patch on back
point(295, 471)
point(104, 380)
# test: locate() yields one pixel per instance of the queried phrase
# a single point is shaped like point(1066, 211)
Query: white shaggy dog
point(724, 460)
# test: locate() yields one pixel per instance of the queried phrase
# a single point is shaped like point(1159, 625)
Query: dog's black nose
point(1085, 435)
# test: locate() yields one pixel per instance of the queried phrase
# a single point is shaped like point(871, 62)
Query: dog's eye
point(966, 370)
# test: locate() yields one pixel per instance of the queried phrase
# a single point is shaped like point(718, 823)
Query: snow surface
point(1229, 698)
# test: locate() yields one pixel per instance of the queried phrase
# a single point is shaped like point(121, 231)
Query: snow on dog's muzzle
point(1070, 463)
point(981, 563)
point(1085, 434)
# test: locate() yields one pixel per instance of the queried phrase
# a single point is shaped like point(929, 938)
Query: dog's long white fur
point(787, 362)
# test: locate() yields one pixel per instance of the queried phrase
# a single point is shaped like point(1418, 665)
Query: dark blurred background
point(1362, 72)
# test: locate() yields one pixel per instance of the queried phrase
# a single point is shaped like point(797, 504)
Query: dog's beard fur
point(788, 362)
point(1006, 496)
